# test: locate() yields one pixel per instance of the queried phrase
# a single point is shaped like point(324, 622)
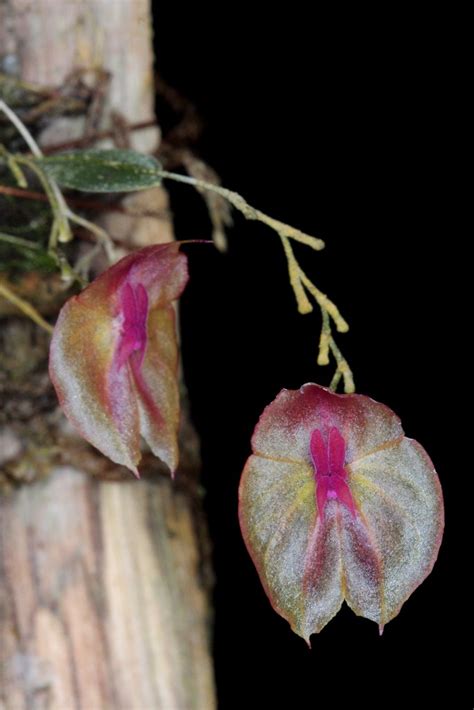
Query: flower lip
point(352, 515)
point(114, 357)
point(133, 330)
point(328, 457)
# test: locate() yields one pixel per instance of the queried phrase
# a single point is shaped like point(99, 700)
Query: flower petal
point(286, 425)
point(104, 378)
point(372, 547)
point(400, 497)
point(98, 399)
point(157, 386)
point(280, 524)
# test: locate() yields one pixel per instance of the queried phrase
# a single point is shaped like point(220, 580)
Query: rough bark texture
point(103, 593)
point(44, 40)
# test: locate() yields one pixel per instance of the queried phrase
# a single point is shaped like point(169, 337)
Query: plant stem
point(101, 234)
point(299, 282)
point(60, 230)
point(323, 354)
point(325, 303)
point(237, 201)
point(24, 307)
point(77, 202)
point(22, 129)
point(18, 241)
point(304, 305)
point(342, 367)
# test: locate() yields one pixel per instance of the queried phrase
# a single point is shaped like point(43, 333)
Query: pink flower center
point(328, 457)
point(133, 331)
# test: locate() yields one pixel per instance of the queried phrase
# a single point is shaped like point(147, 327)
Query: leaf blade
point(103, 170)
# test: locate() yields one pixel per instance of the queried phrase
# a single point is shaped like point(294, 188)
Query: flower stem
point(299, 281)
point(249, 212)
point(342, 368)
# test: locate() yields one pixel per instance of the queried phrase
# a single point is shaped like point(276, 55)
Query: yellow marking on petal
point(282, 460)
point(382, 447)
point(366, 483)
point(300, 499)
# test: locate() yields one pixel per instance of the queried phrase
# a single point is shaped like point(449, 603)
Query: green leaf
point(103, 170)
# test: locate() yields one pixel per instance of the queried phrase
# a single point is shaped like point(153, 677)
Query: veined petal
point(399, 495)
point(321, 529)
point(105, 364)
point(286, 424)
point(161, 269)
point(278, 519)
point(157, 386)
point(97, 398)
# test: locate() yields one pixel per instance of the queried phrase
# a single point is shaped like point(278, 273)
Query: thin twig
point(77, 202)
point(101, 234)
point(298, 279)
point(24, 307)
point(13, 166)
point(18, 241)
point(304, 304)
point(342, 367)
point(323, 351)
point(26, 194)
point(60, 229)
point(300, 284)
point(335, 380)
point(22, 129)
point(325, 303)
point(237, 201)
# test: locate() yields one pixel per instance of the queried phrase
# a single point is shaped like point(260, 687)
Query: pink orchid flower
point(335, 504)
point(114, 357)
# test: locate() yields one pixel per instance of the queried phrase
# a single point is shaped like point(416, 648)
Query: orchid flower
point(114, 357)
point(337, 504)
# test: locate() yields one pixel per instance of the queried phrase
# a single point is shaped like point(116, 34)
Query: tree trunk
point(104, 594)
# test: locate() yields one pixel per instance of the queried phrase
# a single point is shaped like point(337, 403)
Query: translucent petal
point(370, 545)
point(287, 423)
point(113, 356)
point(157, 387)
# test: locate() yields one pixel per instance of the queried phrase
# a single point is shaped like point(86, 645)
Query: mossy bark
point(104, 580)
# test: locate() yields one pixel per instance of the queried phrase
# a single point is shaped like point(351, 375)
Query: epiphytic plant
point(335, 503)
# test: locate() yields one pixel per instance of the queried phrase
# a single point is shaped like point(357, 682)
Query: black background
point(334, 125)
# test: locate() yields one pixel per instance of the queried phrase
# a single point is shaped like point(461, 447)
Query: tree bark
point(104, 592)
